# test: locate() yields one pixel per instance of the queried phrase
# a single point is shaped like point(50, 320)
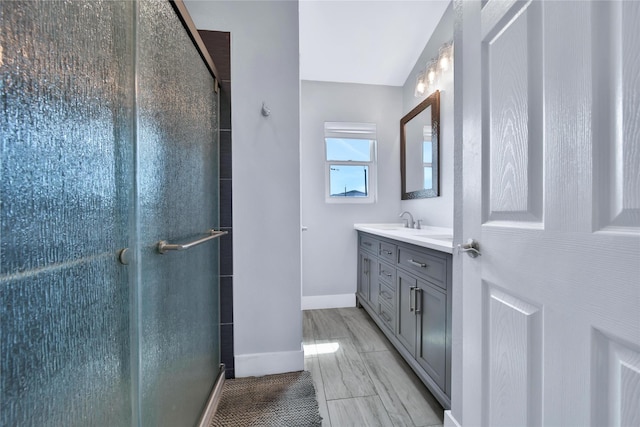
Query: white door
point(550, 120)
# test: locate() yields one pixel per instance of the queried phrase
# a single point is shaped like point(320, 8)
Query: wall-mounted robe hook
point(265, 110)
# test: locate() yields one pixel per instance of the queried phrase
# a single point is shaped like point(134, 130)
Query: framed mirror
point(420, 151)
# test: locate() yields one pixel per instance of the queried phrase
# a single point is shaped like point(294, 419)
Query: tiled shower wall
point(218, 45)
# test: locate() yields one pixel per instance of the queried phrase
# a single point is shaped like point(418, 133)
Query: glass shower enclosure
point(109, 145)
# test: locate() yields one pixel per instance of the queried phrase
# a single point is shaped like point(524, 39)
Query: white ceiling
point(365, 41)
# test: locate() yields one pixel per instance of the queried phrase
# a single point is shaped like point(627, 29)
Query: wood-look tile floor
point(360, 379)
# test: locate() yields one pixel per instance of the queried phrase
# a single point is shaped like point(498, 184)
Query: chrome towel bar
point(163, 246)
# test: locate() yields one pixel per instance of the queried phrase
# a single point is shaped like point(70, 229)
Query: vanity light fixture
point(428, 79)
point(421, 85)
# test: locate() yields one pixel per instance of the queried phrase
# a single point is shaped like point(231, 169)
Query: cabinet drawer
point(369, 243)
point(388, 252)
point(424, 265)
point(386, 273)
point(387, 315)
point(387, 294)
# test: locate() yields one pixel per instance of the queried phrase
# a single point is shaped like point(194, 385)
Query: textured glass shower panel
point(177, 201)
point(65, 179)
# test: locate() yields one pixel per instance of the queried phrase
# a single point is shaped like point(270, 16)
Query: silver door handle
point(472, 248)
point(163, 246)
point(412, 299)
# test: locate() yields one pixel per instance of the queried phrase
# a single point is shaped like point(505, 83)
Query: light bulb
point(431, 76)
point(444, 63)
point(420, 85)
point(445, 56)
point(432, 72)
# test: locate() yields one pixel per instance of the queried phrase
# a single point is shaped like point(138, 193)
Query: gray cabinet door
point(374, 286)
point(364, 275)
point(406, 317)
point(368, 278)
point(431, 304)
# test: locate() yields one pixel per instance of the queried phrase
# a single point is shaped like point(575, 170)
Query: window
point(350, 162)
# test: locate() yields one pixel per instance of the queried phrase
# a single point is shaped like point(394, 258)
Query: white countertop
point(438, 238)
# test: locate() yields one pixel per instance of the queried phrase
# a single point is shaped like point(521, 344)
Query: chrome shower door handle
point(164, 246)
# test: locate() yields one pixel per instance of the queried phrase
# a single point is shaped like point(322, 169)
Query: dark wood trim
point(432, 100)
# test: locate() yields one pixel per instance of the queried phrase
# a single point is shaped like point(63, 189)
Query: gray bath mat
point(273, 400)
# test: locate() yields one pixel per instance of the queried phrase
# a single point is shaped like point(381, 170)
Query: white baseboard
point(449, 421)
point(258, 364)
point(328, 301)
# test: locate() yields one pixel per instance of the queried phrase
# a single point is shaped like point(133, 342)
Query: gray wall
point(436, 211)
point(329, 245)
point(266, 179)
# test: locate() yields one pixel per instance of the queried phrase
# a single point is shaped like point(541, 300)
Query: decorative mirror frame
point(432, 101)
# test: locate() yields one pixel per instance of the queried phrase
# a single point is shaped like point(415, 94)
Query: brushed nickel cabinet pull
point(417, 264)
point(418, 301)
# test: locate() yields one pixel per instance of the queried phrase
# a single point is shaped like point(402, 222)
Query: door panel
point(616, 157)
point(177, 199)
point(512, 115)
point(513, 342)
point(618, 381)
point(557, 288)
point(66, 172)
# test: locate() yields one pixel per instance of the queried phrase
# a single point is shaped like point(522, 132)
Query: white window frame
point(349, 130)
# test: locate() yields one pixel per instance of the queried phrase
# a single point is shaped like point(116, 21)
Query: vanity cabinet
point(407, 291)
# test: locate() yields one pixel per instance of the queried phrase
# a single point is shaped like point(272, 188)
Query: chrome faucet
point(410, 223)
